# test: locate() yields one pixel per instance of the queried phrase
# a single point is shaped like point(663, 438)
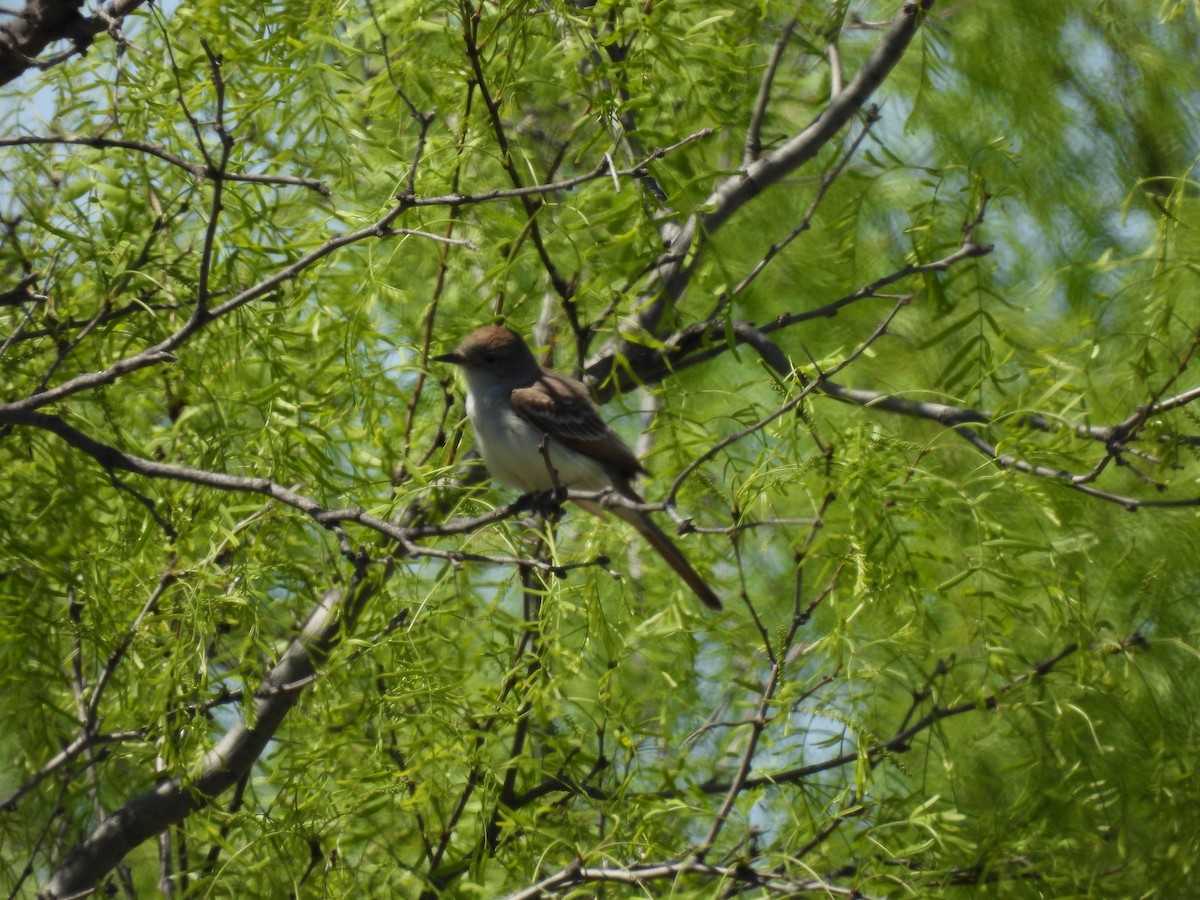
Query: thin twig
point(712, 451)
point(168, 578)
point(563, 286)
point(80, 744)
point(960, 420)
point(901, 740)
point(600, 171)
point(759, 722)
point(753, 144)
point(199, 171)
point(643, 876)
point(163, 351)
point(827, 180)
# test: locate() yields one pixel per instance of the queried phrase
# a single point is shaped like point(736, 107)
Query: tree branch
point(959, 419)
point(80, 744)
point(112, 458)
point(901, 741)
point(159, 152)
point(645, 875)
point(42, 22)
point(672, 274)
point(753, 144)
point(172, 800)
point(163, 351)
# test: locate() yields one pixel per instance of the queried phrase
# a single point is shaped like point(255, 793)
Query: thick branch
point(702, 341)
point(42, 22)
point(172, 800)
point(674, 270)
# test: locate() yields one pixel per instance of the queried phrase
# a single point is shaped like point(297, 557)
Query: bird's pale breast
point(511, 450)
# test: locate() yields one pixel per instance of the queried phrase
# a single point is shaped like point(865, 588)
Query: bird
point(538, 430)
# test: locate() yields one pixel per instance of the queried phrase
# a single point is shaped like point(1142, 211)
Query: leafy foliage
point(903, 384)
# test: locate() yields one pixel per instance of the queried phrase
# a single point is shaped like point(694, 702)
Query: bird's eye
point(489, 358)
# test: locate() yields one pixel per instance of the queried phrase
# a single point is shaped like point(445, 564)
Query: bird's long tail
point(666, 548)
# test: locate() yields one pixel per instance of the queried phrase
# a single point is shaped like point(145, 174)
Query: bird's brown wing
point(562, 408)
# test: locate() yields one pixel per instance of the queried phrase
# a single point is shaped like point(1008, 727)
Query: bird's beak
point(453, 357)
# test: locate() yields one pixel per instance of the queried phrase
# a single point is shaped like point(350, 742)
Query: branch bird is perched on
point(529, 419)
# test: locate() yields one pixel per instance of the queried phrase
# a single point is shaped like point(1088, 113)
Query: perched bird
point(530, 420)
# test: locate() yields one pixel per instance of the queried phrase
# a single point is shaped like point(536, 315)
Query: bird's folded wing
point(561, 408)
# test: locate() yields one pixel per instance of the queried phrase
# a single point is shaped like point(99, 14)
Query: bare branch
point(644, 876)
point(172, 800)
point(79, 745)
point(673, 272)
point(961, 418)
point(759, 113)
point(200, 171)
point(163, 351)
point(42, 22)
